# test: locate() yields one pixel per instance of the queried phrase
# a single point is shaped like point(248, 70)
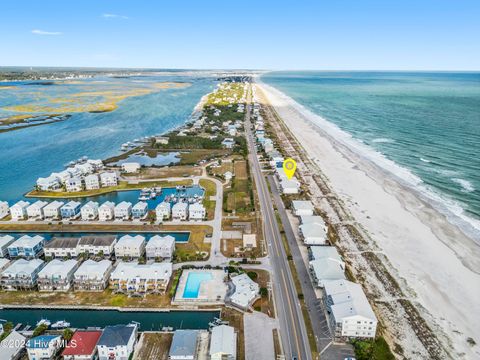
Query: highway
point(292, 325)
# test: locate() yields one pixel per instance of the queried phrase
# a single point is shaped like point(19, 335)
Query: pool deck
point(211, 291)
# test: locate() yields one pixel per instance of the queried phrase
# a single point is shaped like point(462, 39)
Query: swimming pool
point(194, 280)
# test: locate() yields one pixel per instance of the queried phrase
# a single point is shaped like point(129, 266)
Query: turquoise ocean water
point(427, 123)
point(29, 153)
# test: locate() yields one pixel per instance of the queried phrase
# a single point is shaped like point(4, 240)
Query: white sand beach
point(439, 264)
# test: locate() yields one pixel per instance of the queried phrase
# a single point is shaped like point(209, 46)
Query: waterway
point(149, 320)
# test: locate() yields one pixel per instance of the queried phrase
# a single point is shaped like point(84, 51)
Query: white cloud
point(42, 32)
point(114, 16)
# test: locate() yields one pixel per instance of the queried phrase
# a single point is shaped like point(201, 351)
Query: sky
point(261, 34)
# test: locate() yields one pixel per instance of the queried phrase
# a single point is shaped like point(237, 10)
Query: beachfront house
point(313, 233)
point(62, 176)
point(82, 345)
point(325, 252)
point(89, 211)
point(326, 269)
point(21, 274)
point(61, 247)
point(350, 314)
point(129, 277)
point(96, 163)
point(184, 345)
point(85, 168)
point(106, 211)
point(19, 210)
point(92, 182)
point(43, 347)
point(246, 291)
point(16, 343)
point(4, 209)
point(4, 263)
point(5, 242)
point(74, 184)
point(290, 186)
point(162, 211)
point(117, 342)
point(130, 167)
point(108, 179)
point(196, 211)
point(26, 246)
point(35, 211)
point(52, 210)
point(180, 211)
point(92, 275)
point(57, 275)
point(71, 210)
point(223, 343)
point(48, 183)
point(130, 247)
point(302, 208)
point(74, 172)
point(160, 247)
point(140, 210)
point(123, 211)
point(99, 245)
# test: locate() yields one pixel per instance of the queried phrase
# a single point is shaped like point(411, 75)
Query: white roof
point(3, 262)
point(130, 241)
point(313, 230)
point(124, 205)
point(290, 184)
point(21, 204)
point(163, 204)
point(27, 241)
point(74, 180)
point(132, 164)
point(349, 300)
point(91, 177)
point(108, 204)
point(108, 174)
point(93, 269)
point(12, 344)
point(57, 267)
point(196, 206)
point(305, 219)
point(5, 239)
point(180, 206)
point(54, 205)
point(327, 269)
point(223, 340)
point(245, 290)
point(90, 204)
point(39, 204)
point(72, 205)
point(302, 205)
point(156, 271)
point(160, 241)
point(325, 252)
point(24, 266)
point(141, 205)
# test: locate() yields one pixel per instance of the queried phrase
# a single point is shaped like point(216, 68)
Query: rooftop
point(24, 266)
point(62, 243)
point(302, 205)
point(223, 340)
point(184, 343)
point(116, 335)
point(97, 240)
point(57, 267)
point(82, 343)
point(93, 269)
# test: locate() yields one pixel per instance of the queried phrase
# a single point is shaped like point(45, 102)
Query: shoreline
point(103, 308)
point(442, 274)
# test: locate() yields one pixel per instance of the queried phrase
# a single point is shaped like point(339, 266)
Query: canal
point(148, 320)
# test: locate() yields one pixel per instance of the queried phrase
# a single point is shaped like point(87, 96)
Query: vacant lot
point(153, 346)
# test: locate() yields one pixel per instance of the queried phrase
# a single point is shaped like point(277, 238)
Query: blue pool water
point(180, 236)
point(194, 280)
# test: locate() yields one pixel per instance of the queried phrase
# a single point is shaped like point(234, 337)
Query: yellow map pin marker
point(289, 166)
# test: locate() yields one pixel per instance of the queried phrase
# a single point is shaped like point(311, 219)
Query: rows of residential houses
point(27, 271)
point(350, 313)
point(120, 342)
point(108, 211)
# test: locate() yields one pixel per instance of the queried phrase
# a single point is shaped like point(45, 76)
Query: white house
point(301, 207)
point(97, 244)
point(106, 211)
point(97, 164)
point(57, 275)
point(89, 211)
point(35, 211)
point(92, 275)
point(129, 277)
point(92, 182)
point(180, 211)
point(313, 233)
point(62, 176)
point(19, 210)
point(326, 252)
point(130, 246)
point(16, 343)
point(48, 183)
point(223, 343)
point(140, 210)
point(5, 241)
point(123, 211)
point(351, 316)
point(290, 186)
point(162, 211)
point(246, 291)
point(326, 269)
point(117, 342)
point(4, 209)
point(43, 347)
point(74, 184)
point(52, 210)
point(74, 171)
point(131, 167)
point(196, 211)
point(61, 247)
point(85, 168)
point(161, 247)
point(21, 274)
point(109, 179)
point(228, 143)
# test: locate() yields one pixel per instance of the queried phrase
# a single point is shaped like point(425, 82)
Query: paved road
point(292, 325)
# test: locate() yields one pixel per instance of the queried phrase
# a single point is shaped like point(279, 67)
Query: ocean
point(427, 123)
point(33, 152)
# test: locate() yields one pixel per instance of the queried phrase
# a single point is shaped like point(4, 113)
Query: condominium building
point(57, 275)
point(92, 275)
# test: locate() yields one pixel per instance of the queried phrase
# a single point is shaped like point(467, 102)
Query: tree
point(67, 334)
point(252, 275)
point(40, 329)
point(263, 292)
